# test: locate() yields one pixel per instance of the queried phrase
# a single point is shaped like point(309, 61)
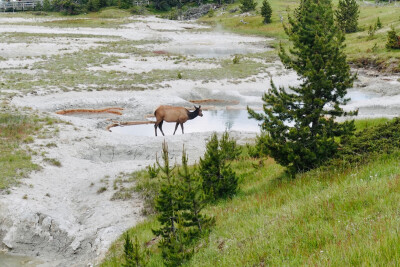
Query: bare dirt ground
point(65, 220)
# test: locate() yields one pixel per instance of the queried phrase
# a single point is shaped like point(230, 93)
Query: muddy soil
point(65, 221)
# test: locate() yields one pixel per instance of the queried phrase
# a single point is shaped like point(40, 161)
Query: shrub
point(236, 59)
point(266, 11)
point(46, 5)
point(125, 4)
point(393, 41)
point(173, 14)
point(247, 5)
point(260, 148)
point(380, 139)
point(211, 13)
point(137, 10)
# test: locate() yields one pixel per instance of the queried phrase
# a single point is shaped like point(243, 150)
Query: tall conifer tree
point(300, 122)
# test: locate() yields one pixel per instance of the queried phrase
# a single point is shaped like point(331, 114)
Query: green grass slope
point(362, 49)
point(336, 217)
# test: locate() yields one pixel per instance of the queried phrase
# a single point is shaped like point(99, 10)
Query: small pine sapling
point(393, 41)
point(266, 11)
point(371, 32)
point(378, 23)
point(347, 15)
point(134, 256)
point(153, 171)
point(176, 249)
point(193, 201)
point(229, 148)
point(219, 180)
point(166, 202)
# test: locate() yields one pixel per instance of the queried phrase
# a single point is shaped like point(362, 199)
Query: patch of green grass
point(23, 37)
point(15, 162)
point(348, 217)
point(323, 217)
point(367, 123)
point(106, 18)
point(110, 13)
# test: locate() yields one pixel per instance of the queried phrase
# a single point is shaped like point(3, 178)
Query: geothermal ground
point(63, 215)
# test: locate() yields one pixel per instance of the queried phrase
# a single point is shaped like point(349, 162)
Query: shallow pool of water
point(356, 95)
point(8, 260)
point(214, 120)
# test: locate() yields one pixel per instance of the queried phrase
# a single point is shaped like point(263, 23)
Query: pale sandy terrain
point(64, 221)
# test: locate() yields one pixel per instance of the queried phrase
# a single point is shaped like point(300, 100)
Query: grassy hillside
point(362, 49)
point(336, 216)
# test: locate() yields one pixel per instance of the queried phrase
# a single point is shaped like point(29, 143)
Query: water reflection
point(215, 120)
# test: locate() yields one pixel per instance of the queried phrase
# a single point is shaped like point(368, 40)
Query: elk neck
point(192, 115)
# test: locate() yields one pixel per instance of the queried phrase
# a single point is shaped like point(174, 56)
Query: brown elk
point(174, 114)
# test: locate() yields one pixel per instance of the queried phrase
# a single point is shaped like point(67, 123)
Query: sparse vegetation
point(15, 161)
point(53, 162)
point(101, 190)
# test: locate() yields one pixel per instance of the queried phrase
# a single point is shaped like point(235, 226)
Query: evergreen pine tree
point(300, 124)
point(219, 181)
point(193, 201)
point(166, 202)
point(133, 255)
point(128, 251)
point(347, 15)
point(393, 41)
point(247, 5)
point(266, 11)
point(176, 249)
